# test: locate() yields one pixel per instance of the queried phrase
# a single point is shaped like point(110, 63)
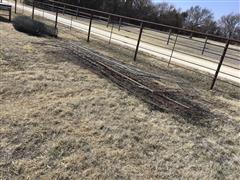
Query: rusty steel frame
point(120, 23)
point(169, 62)
point(169, 36)
point(139, 40)
point(220, 64)
point(171, 29)
point(143, 21)
point(15, 8)
point(90, 26)
point(205, 44)
point(56, 20)
point(110, 38)
point(33, 8)
point(137, 83)
point(9, 9)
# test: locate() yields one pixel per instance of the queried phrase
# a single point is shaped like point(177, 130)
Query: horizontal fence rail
point(171, 45)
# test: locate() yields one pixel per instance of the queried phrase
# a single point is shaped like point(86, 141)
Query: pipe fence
point(171, 45)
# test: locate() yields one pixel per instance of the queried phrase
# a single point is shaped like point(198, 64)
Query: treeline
point(195, 18)
point(142, 9)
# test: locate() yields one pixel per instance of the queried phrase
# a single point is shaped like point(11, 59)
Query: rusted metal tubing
point(109, 19)
point(33, 8)
point(138, 43)
point(56, 20)
point(135, 81)
point(10, 14)
point(220, 63)
point(110, 38)
point(77, 13)
point(169, 36)
point(205, 44)
point(173, 49)
point(15, 7)
point(71, 23)
point(120, 23)
point(191, 36)
point(90, 26)
point(145, 22)
point(7, 8)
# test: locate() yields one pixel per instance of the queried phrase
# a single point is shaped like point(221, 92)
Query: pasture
point(59, 119)
point(64, 119)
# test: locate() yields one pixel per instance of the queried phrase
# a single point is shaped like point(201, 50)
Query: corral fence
point(173, 46)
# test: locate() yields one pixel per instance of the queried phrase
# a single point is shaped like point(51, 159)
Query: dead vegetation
point(61, 120)
point(162, 92)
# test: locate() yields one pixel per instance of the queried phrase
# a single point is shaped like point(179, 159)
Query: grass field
point(60, 120)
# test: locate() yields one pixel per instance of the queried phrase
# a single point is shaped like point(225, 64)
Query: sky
point(218, 7)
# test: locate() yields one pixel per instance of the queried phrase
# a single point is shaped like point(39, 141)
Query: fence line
point(167, 37)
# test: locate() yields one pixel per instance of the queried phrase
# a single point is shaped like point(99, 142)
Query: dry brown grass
point(59, 120)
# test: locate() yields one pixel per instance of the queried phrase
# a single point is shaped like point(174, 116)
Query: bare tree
point(138, 4)
point(167, 14)
point(143, 9)
point(230, 25)
point(197, 17)
point(164, 8)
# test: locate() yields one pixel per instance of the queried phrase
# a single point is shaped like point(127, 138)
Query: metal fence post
point(10, 14)
point(109, 18)
point(33, 9)
point(110, 38)
point(169, 36)
point(90, 26)
point(120, 23)
point(15, 6)
point(173, 50)
point(64, 7)
point(56, 20)
point(205, 44)
point(191, 36)
point(71, 23)
point(138, 43)
point(77, 13)
point(220, 63)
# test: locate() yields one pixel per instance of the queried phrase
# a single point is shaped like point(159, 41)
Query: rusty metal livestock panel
point(184, 48)
point(8, 8)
